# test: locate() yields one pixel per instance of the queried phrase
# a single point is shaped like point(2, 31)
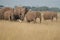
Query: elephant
point(32, 16)
point(23, 12)
point(50, 15)
point(3, 10)
point(19, 13)
point(8, 15)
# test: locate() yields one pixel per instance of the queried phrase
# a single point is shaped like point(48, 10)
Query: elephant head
point(20, 12)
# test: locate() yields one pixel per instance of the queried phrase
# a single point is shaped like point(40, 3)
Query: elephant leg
point(11, 17)
point(40, 19)
point(52, 19)
point(34, 20)
point(56, 18)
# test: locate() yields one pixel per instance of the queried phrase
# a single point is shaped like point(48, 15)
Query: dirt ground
point(47, 30)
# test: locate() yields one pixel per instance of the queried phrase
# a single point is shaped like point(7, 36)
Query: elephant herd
point(13, 14)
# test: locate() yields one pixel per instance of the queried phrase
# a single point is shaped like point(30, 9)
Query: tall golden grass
point(46, 30)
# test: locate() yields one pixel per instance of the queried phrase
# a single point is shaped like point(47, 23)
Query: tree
point(54, 9)
point(1, 6)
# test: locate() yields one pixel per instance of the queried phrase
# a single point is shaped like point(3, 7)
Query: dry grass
point(47, 30)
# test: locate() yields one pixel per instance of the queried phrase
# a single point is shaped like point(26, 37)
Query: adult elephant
point(8, 15)
point(32, 16)
point(3, 10)
point(19, 13)
point(50, 15)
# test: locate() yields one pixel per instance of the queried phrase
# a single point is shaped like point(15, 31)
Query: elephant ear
point(26, 10)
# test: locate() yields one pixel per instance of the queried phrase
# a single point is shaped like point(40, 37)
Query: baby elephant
point(32, 16)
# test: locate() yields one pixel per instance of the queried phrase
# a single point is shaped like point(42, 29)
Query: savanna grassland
point(47, 30)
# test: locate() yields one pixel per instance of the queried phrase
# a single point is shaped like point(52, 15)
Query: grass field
point(46, 30)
